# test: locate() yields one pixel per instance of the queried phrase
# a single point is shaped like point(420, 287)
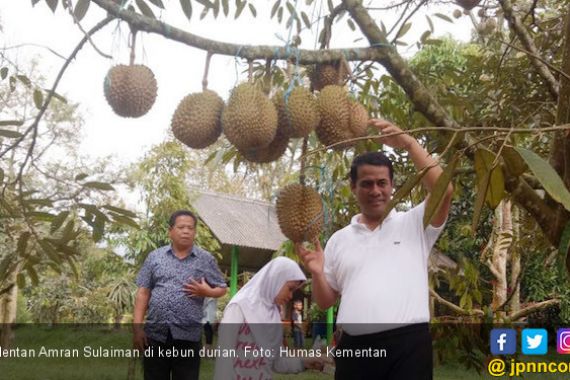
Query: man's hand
point(198, 288)
point(399, 140)
point(139, 338)
point(312, 260)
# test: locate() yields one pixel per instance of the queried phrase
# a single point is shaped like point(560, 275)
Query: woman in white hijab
point(250, 333)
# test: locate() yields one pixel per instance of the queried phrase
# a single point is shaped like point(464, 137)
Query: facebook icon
point(503, 341)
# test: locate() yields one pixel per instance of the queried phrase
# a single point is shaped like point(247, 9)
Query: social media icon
point(534, 341)
point(563, 341)
point(503, 341)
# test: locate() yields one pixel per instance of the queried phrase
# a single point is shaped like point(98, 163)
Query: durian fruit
point(468, 4)
point(299, 115)
point(197, 119)
point(300, 212)
point(326, 74)
point(130, 90)
point(270, 153)
point(342, 118)
point(249, 120)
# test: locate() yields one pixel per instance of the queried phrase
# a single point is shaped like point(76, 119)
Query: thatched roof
point(249, 224)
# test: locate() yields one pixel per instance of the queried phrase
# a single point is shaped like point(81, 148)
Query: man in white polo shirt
point(378, 266)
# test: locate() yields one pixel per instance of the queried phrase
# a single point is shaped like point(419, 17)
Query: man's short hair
point(176, 214)
point(370, 158)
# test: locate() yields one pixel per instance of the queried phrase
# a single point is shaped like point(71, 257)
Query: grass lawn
point(91, 368)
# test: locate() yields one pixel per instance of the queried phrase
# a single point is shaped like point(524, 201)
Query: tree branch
point(425, 103)
point(534, 308)
point(453, 306)
point(249, 52)
point(51, 93)
point(526, 40)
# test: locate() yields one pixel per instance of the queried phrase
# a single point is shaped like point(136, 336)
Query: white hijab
point(257, 300)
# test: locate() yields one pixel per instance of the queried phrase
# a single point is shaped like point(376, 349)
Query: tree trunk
point(504, 230)
point(118, 318)
point(560, 146)
point(8, 304)
point(515, 287)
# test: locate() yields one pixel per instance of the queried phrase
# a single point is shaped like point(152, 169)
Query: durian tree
point(513, 155)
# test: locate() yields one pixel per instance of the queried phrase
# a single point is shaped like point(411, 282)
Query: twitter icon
point(534, 341)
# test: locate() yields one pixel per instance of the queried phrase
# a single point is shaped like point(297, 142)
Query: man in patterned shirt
point(172, 285)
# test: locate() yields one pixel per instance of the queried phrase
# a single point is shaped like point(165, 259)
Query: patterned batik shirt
point(169, 307)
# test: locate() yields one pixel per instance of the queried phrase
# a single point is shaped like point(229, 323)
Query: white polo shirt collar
point(355, 221)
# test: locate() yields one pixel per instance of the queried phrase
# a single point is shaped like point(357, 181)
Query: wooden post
point(234, 271)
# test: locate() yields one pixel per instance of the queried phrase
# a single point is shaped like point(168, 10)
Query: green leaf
point(125, 221)
point(50, 251)
point(73, 267)
point(52, 4)
point(23, 243)
point(4, 265)
point(204, 12)
point(306, 20)
point(564, 245)
point(430, 23)
point(38, 98)
point(33, 274)
point(226, 7)
point(41, 216)
point(3, 72)
point(216, 8)
point(68, 231)
point(330, 6)
point(275, 8)
point(17, 123)
point(239, 8)
point(252, 10)
point(513, 161)
point(145, 9)
point(25, 80)
point(291, 8)
point(98, 229)
point(404, 30)
point(40, 201)
point(81, 9)
point(186, 8)
point(120, 211)
point(99, 185)
point(205, 3)
point(10, 134)
point(404, 190)
point(12, 83)
point(484, 160)
point(482, 187)
point(57, 96)
point(439, 190)
point(547, 177)
point(351, 24)
point(280, 16)
point(158, 3)
point(444, 17)
point(21, 280)
point(425, 36)
point(58, 221)
point(81, 176)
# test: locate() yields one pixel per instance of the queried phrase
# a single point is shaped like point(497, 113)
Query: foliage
point(104, 290)
point(46, 203)
point(161, 178)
